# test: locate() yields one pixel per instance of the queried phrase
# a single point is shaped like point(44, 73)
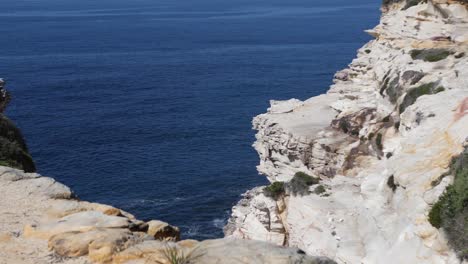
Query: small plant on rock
point(300, 183)
point(451, 211)
point(274, 190)
point(413, 94)
point(174, 255)
point(430, 55)
point(319, 190)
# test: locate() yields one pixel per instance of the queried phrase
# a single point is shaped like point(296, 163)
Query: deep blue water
point(147, 105)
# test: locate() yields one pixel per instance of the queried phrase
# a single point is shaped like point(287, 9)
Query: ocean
point(147, 104)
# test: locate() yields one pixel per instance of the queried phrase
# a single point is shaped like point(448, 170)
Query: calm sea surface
point(147, 104)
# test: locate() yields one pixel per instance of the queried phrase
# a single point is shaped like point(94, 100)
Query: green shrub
point(435, 217)
point(437, 56)
point(274, 190)
point(439, 89)
point(430, 55)
point(300, 183)
point(306, 178)
point(13, 150)
point(451, 210)
point(319, 190)
point(5, 163)
point(413, 94)
point(368, 51)
point(173, 254)
point(415, 53)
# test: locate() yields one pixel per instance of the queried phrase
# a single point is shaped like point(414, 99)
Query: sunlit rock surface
point(43, 223)
point(381, 140)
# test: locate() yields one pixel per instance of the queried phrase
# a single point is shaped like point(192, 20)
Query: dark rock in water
point(13, 150)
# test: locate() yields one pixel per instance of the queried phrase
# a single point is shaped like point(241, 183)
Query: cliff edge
point(364, 173)
point(42, 221)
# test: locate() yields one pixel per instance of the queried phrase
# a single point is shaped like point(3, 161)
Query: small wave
point(219, 222)
point(153, 202)
point(193, 231)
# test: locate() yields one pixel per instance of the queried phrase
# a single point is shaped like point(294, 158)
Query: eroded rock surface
point(381, 141)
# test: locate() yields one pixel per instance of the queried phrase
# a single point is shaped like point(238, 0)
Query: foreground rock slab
point(41, 222)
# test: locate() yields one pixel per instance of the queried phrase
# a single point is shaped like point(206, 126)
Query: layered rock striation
point(381, 141)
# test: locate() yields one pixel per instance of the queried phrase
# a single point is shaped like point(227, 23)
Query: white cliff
point(381, 140)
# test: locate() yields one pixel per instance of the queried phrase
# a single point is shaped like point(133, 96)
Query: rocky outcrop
point(43, 222)
point(380, 140)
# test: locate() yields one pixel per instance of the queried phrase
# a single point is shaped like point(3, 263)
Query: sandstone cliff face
point(43, 222)
point(381, 140)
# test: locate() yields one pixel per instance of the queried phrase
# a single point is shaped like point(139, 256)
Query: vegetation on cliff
point(411, 3)
point(430, 55)
point(451, 211)
point(274, 190)
point(298, 185)
point(413, 94)
point(13, 150)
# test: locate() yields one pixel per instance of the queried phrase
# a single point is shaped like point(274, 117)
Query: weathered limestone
point(380, 140)
point(232, 251)
point(81, 222)
point(76, 243)
point(262, 218)
point(61, 208)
